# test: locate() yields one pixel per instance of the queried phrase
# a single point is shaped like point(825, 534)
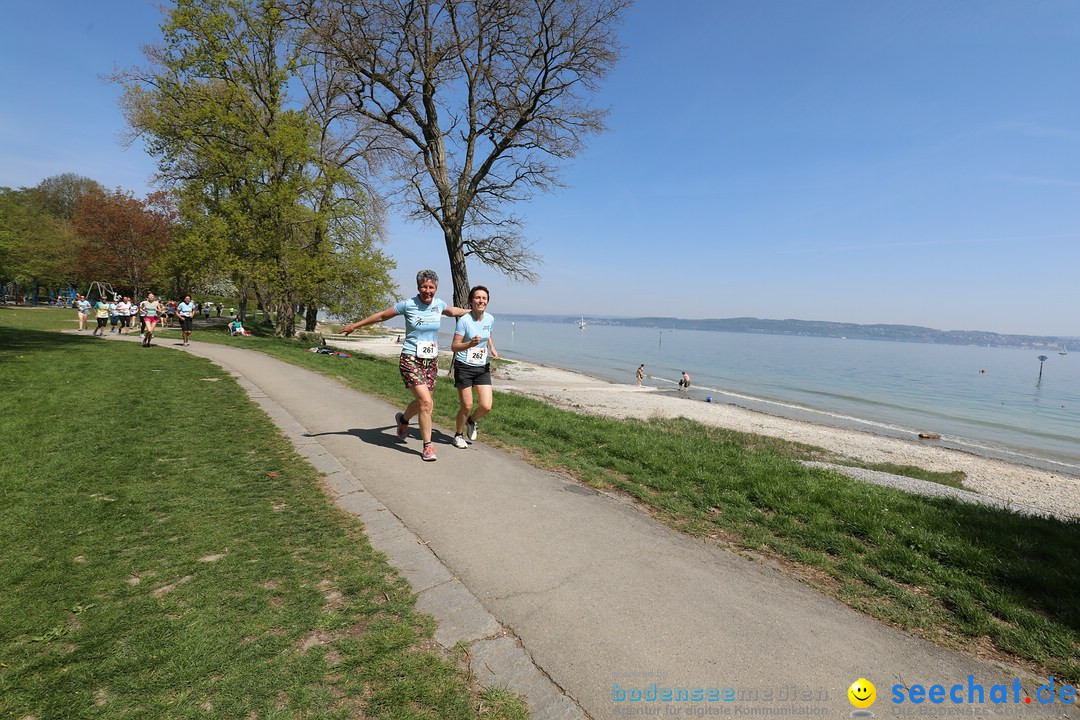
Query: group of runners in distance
point(473, 351)
point(472, 346)
point(119, 312)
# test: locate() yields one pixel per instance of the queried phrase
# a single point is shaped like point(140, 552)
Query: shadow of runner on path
point(385, 437)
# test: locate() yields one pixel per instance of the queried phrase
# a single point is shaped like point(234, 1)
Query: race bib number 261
point(427, 350)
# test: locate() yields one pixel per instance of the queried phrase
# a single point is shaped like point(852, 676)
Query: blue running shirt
point(469, 327)
point(421, 322)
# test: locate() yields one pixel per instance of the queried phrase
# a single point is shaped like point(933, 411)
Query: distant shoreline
point(822, 328)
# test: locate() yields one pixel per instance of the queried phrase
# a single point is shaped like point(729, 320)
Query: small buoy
point(982, 372)
point(708, 398)
point(929, 436)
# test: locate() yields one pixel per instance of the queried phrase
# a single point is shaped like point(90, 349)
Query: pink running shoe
point(402, 427)
point(429, 452)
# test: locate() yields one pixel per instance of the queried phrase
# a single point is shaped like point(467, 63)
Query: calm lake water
point(890, 388)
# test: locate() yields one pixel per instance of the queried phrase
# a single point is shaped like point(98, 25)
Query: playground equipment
point(104, 289)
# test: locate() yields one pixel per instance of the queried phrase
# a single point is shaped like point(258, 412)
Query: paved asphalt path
point(601, 598)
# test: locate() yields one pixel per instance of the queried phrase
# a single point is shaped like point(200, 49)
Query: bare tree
point(473, 103)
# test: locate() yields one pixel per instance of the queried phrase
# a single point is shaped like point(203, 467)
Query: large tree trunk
point(286, 317)
point(311, 317)
point(459, 273)
point(261, 304)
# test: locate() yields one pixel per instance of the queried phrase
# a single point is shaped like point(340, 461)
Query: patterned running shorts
point(418, 371)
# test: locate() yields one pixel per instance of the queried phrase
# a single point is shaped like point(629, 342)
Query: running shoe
point(402, 427)
point(471, 430)
point(429, 452)
point(459, 441)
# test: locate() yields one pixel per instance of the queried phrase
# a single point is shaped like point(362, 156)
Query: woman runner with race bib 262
point(473, 353)
point(419, 362)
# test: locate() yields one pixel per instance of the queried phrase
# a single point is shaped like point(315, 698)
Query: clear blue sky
point(909, 161)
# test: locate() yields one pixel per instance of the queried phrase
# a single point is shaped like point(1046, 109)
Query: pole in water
point(1042, 359)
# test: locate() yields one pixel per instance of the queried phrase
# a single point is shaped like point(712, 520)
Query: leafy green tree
point(58, 195)
point(38, 244)
point(11, 209)
point(256, 192)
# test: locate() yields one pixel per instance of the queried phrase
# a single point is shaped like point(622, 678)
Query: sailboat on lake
point(1064, 349)
point(581, 323)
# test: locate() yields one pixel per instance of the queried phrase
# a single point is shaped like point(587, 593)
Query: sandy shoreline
point(1045, 490)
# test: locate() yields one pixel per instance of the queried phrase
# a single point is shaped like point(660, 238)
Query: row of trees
point(68, 231)
point(274, 121)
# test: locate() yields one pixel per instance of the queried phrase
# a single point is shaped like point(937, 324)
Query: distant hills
point(822, 328)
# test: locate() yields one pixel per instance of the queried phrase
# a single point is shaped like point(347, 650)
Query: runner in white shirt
point(123, 311)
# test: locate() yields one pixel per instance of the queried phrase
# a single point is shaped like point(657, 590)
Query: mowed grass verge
point(967, 577)
point(166, 554)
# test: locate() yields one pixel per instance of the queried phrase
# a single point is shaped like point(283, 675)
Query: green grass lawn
point(166, 554)
point(965, 576)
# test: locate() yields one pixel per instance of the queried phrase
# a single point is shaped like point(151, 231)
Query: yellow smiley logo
point(862, 693)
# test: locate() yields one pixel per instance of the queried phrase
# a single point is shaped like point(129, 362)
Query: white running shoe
point(471, 430)
point(459, 442)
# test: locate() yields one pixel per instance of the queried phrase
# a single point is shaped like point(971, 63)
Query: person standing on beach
point(186, 312)
point(151, 309)
point(474, 351)
point(684, 384)
point(640, 374)
point(419, 363)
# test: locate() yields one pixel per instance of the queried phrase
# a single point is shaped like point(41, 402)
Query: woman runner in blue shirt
point(474, 351)
point(419, 363)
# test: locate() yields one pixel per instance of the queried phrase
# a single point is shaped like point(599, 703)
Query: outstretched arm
point(454, 312)
point(373, 318)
